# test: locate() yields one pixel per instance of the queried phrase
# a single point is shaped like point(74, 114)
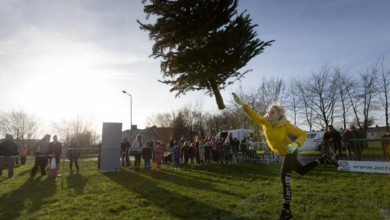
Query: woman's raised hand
point(238, 100)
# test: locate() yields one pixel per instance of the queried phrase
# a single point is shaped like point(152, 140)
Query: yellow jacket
point(277, 137)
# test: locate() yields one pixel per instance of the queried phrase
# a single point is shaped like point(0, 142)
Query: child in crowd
point(159, 152)
point(147, 154)
point(176, 156)
point(228, 146)
point(214, 151)
point(186, 152)
point(192, 154)
point(220, 150)
point(201, 151)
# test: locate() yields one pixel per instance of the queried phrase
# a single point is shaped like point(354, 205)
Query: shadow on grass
point(31, 194)
point(77, 181)
point(175, 203)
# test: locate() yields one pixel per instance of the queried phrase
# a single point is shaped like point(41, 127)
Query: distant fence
point(83, 159)
point(357, 149)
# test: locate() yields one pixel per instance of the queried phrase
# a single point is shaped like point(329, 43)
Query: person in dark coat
point(56, 148)
point(125, 144)
point(8, 148)
point(235, 145)
point(356, 147)
point(333, 137)
point(147, 154)
point(181, 144)
point(243, 147)
point(41, 149)
point(73, 155)
point(186, 152)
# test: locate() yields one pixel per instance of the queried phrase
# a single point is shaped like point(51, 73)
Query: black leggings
point(137, 161)
point(76, 162)
point(289, 163)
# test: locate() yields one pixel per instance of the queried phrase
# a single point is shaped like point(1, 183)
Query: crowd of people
point(42, 151)
point(353, 141)
point(183, 153)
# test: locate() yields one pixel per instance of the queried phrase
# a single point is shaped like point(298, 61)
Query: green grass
point(232, 191)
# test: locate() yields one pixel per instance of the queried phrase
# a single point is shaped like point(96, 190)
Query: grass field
point(232, 191)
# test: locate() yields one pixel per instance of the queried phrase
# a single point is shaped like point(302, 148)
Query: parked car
point(314, 141)
point(238, 133)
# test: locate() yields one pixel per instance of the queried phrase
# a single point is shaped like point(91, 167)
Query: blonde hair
point(279, 109)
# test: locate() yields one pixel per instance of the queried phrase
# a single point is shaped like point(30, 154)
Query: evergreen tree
point(202, 43)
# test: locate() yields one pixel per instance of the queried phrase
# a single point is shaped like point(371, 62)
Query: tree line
point(333, 94)
point(27, 128)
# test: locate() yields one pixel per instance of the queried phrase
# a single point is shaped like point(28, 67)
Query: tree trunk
point(217, 94)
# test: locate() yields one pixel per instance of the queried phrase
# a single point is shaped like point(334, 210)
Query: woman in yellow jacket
point(276, 128)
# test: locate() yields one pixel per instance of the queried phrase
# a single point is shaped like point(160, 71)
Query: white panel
point(110, 151)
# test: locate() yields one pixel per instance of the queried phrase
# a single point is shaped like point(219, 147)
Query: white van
point(239, 134)
point(314, 140)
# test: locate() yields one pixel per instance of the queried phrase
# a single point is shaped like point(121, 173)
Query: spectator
point(243, 147)
point(227, 147)
point(235, 146)
point(56, 148)
point(386, 144)
point(8, 148)
point(193, 154)
point(354, 147)
point(214, 151)
point(251, 148)
point(159, 152)
point(176, 156)
point(125, 145)
point(40, 149)
point(333, 137)
point(23, 154)
point(207, 148)
point(171, 144)
point(201, 150)
point(137, 146)
point(181, 144)
point(147, 154)
point(154, 145)
point(186, 152)
point(73, 154)
point(17, 159)
point(196, 145)
point(220, 149)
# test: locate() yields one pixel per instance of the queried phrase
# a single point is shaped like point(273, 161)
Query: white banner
point(364, 166)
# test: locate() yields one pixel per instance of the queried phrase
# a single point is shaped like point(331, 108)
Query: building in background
point(136, 131)
point(375, 132)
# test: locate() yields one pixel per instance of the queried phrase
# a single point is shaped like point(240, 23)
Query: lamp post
point(131, 98)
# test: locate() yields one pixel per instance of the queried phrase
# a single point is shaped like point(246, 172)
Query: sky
point(60, 59)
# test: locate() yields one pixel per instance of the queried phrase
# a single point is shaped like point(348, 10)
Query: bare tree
point(81, 128)
point(342, 74)
point(22, 125)
point(368, 95)
point(161, 126)
point(292, 102)
point(383, 82)
point(305, 103)
point(320, 92)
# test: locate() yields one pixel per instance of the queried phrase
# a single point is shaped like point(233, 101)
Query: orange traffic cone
point(53, 167)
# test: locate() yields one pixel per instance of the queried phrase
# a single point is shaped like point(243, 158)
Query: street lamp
point(131, 130)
